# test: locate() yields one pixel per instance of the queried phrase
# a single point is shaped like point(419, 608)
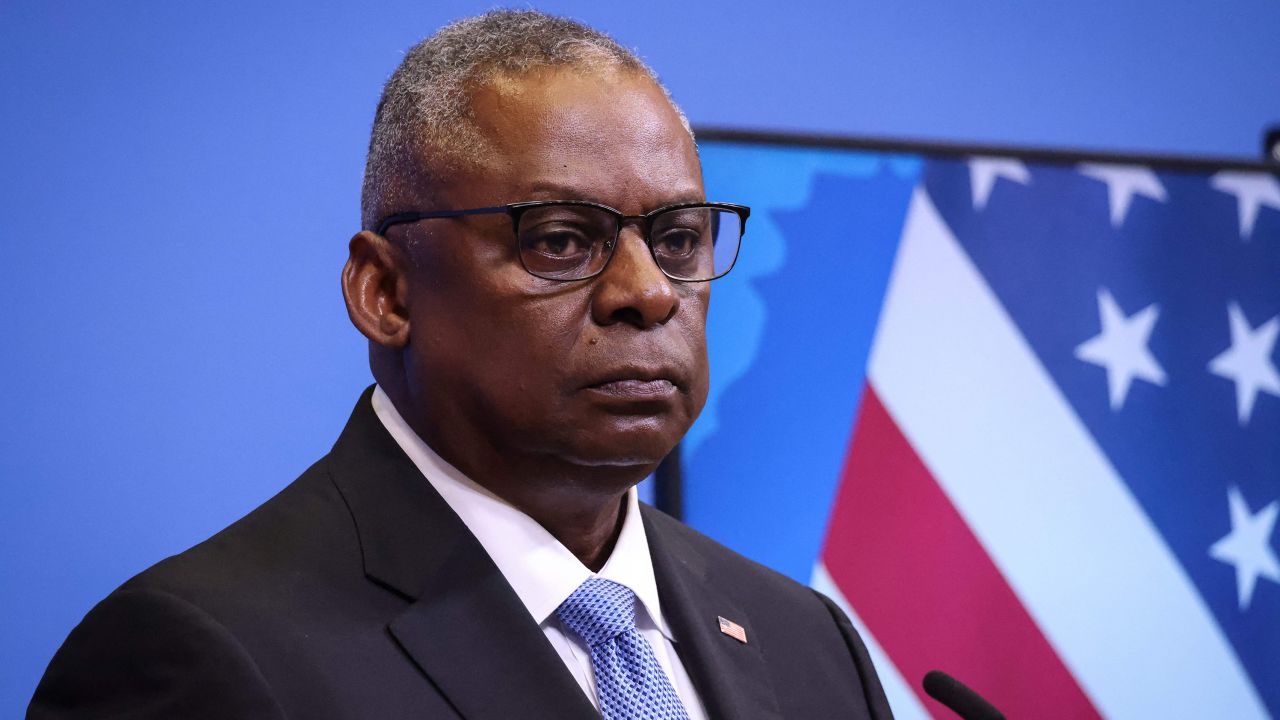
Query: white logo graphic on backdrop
point(1252, 191)
point(1248, 546)
point(1121, 348)
point(984, 171)
point(1123, 182)
point(1248, 361)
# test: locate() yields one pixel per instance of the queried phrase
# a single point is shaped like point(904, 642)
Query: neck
point(584, 513)
point(590, 535)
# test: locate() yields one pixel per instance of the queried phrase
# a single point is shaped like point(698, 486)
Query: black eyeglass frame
point(515, 210)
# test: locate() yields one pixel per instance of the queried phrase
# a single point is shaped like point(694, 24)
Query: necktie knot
point(599, 610)
point(630, 683)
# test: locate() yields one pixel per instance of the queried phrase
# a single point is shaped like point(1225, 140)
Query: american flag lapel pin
point(733, 630)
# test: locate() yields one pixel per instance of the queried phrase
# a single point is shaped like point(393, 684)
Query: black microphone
point(959, 697)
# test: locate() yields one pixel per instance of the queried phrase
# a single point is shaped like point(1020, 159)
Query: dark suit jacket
point(358, 593)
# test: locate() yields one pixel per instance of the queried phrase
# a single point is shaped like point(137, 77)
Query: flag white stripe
point(986, 418)
point(905, 704)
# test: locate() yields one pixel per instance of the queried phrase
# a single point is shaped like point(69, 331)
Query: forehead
point(610, 136)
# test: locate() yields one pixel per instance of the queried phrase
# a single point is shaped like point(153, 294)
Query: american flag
point(733, 630)
point(1063, 481)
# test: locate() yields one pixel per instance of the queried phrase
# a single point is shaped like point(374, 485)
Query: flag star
point(1121, 347)
point(1123, 182)
point(1248, 361)
point(984, 171)
point(1248, 546)
point(1252, 191)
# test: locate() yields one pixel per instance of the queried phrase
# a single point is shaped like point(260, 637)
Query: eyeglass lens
point(571, 242)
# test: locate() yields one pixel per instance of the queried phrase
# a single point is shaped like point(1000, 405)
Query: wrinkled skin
point(557, 397)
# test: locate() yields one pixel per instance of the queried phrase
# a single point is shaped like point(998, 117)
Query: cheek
point(698, 392)
point(693, 319)
point(525, 388)
point(693, 315)
point(543, 322)
point(524, 341)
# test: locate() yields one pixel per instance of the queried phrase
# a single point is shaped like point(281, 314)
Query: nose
point(632, 289)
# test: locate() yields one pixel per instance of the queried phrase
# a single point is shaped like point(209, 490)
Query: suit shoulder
point(304, 531)
point(156, 653)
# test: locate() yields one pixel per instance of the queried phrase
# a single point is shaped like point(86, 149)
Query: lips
point(636, 384)
point(635, 388)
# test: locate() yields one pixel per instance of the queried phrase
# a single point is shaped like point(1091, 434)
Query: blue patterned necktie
point(630, 683)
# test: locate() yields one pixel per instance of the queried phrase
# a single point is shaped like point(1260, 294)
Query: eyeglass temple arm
point(410, 217)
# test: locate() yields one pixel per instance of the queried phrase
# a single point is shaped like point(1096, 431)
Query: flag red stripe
point(911, 568)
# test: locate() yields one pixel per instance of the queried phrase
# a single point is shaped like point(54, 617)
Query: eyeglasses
point(570, 240)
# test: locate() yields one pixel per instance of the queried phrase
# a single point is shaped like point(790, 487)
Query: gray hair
point(424, 122)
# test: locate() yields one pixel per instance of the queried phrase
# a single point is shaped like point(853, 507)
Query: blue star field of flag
point(1153, 301)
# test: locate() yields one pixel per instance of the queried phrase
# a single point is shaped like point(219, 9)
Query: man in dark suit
point(533, 278)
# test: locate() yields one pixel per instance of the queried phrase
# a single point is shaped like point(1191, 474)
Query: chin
point(633, 457)
point(639, 450)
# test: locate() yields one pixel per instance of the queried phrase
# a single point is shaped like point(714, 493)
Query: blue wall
point(179, 184)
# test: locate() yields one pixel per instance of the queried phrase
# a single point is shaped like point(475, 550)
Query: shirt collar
point(541, 570)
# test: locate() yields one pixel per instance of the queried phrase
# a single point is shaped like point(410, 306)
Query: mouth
point(636, 384)
point(635, 388)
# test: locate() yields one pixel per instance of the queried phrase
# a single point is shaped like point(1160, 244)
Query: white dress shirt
point(541, 570)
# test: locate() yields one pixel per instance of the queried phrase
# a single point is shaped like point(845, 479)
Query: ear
point(376, 289)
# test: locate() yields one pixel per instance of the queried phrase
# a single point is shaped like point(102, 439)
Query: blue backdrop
point(180, 183)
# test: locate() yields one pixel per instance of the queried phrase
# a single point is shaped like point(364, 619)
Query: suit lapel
point(731, 677)
point(464, 627)
point(472, 636)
